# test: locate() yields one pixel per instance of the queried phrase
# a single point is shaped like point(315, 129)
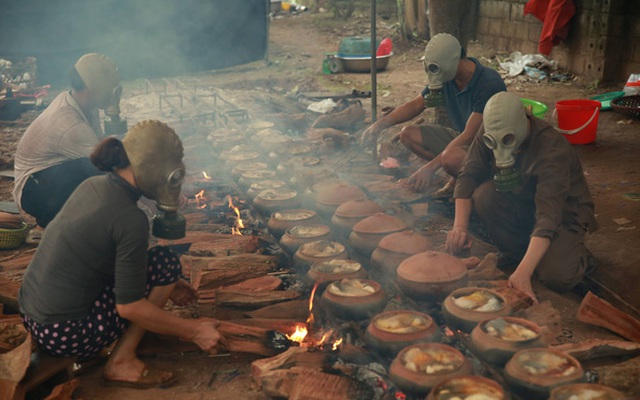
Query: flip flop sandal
point(150, 378)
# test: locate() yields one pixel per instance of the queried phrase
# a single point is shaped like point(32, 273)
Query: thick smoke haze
point(146, 38)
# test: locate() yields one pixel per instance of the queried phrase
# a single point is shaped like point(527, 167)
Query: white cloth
point(61, 133)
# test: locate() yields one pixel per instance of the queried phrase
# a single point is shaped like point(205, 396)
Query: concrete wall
point(603, 42)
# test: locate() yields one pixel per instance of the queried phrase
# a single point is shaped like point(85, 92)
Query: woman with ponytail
point(93, 280)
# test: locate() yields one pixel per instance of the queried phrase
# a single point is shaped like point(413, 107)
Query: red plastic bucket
point(577, 120)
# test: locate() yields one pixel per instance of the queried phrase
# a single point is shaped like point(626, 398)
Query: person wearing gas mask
point(525, 182)
point(463, 86)
point(52, 156)
point(93, 280)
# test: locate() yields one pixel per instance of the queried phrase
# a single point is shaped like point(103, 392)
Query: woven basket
point(12, 238)
point(628, 105)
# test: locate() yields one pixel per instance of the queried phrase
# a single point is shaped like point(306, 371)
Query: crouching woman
point(93, 281)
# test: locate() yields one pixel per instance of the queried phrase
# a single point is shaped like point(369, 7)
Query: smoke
point(146, 38)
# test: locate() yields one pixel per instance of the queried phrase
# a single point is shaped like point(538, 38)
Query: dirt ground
point(296, 50)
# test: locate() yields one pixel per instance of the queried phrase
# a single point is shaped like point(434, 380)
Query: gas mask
point(100, 75)
point(155, 153)
point(441, 57)
point(506, 127)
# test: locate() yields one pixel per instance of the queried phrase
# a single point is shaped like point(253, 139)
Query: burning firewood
point(250, 339)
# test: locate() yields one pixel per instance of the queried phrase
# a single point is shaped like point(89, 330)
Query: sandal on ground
point(150, 378)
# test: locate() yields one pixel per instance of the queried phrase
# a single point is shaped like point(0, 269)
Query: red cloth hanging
point(555, 16)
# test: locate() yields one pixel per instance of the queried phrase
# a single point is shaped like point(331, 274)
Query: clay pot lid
point(275, 140)
point(511, 329)
point(338, 193)
point(321, 248)
point(460, 387)
point(543, 364)
point(336, 266)
point(431, 267)
point(258, 174)
point(263, 133)
point(353, 288)
point(223, 133)
point(238, 149)
point(249, 166)
point(405, 242)
point(380, 223)
point(243, 156)
point(296, 214)
point(308, 231)
point(304, 161)
point(446, 357)
point(402, 321)
point(357, 208)
point(278, 194)
point(267, 184)
point(259, 124)
point(294, 149)
point(586, 391)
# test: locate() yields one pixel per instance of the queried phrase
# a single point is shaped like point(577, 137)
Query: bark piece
point(281, 361)
point(316, 385)
point(346, 119)
point(596, 311)
point(260, 284)
point(548, 318)
point(244, 298)
point(246, 339)
point(64, 391)
point(296, 309)
point(596, 348)
point(487, 269)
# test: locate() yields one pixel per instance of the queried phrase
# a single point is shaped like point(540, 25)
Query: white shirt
point(61, 133)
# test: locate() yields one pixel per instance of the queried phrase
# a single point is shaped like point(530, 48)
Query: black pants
point(46, 191)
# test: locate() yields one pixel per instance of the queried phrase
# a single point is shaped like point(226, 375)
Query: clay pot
point(336, 270)
point(287, 167)
point(431, 276)
point(271, 200)
point(465, 307)
point(291, 150)
point(462, 387)
point(280, 221)
point(450, 363)
point(258, 187)
point(238, 158)
point(239, 169)
point(249, 177)
point(259, 125)
point(262, 134)
point(296, 236)
point(224, 155)
point(272, 142)
point(496, 342)
point(351, 212)
point(317, 251)
point(306, 178)
point(397, 247)
point(535, 372)
point(366, 234)
point(585, 391)
point(328, 200)
point(354, 298)
point(391, 331)
point(223, 139)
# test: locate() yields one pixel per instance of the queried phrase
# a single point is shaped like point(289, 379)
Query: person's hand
point(457, 240)
point(183, 293)
point(420, 180)
point(207, 336)
point(369, 135)
point(522, 282)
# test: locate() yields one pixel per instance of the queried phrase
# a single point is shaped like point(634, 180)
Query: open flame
point(207, 177)
point(303, 333)
point(238, 224)
point(201, 202)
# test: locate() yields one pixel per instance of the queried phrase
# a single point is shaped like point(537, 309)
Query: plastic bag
point(516, 62)
point(632, 87)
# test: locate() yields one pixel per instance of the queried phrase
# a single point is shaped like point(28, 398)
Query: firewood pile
point(316, 334)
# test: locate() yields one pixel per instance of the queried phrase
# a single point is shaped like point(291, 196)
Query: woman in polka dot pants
point(93, 279)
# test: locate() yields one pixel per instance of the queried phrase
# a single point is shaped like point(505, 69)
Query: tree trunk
point(423, 22)
point(457, 17)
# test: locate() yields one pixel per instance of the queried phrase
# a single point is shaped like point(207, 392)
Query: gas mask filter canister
point(441, 57)
point(506, 127)
point(155, 153)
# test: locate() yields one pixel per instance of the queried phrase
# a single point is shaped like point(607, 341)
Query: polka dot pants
point(102, 326)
